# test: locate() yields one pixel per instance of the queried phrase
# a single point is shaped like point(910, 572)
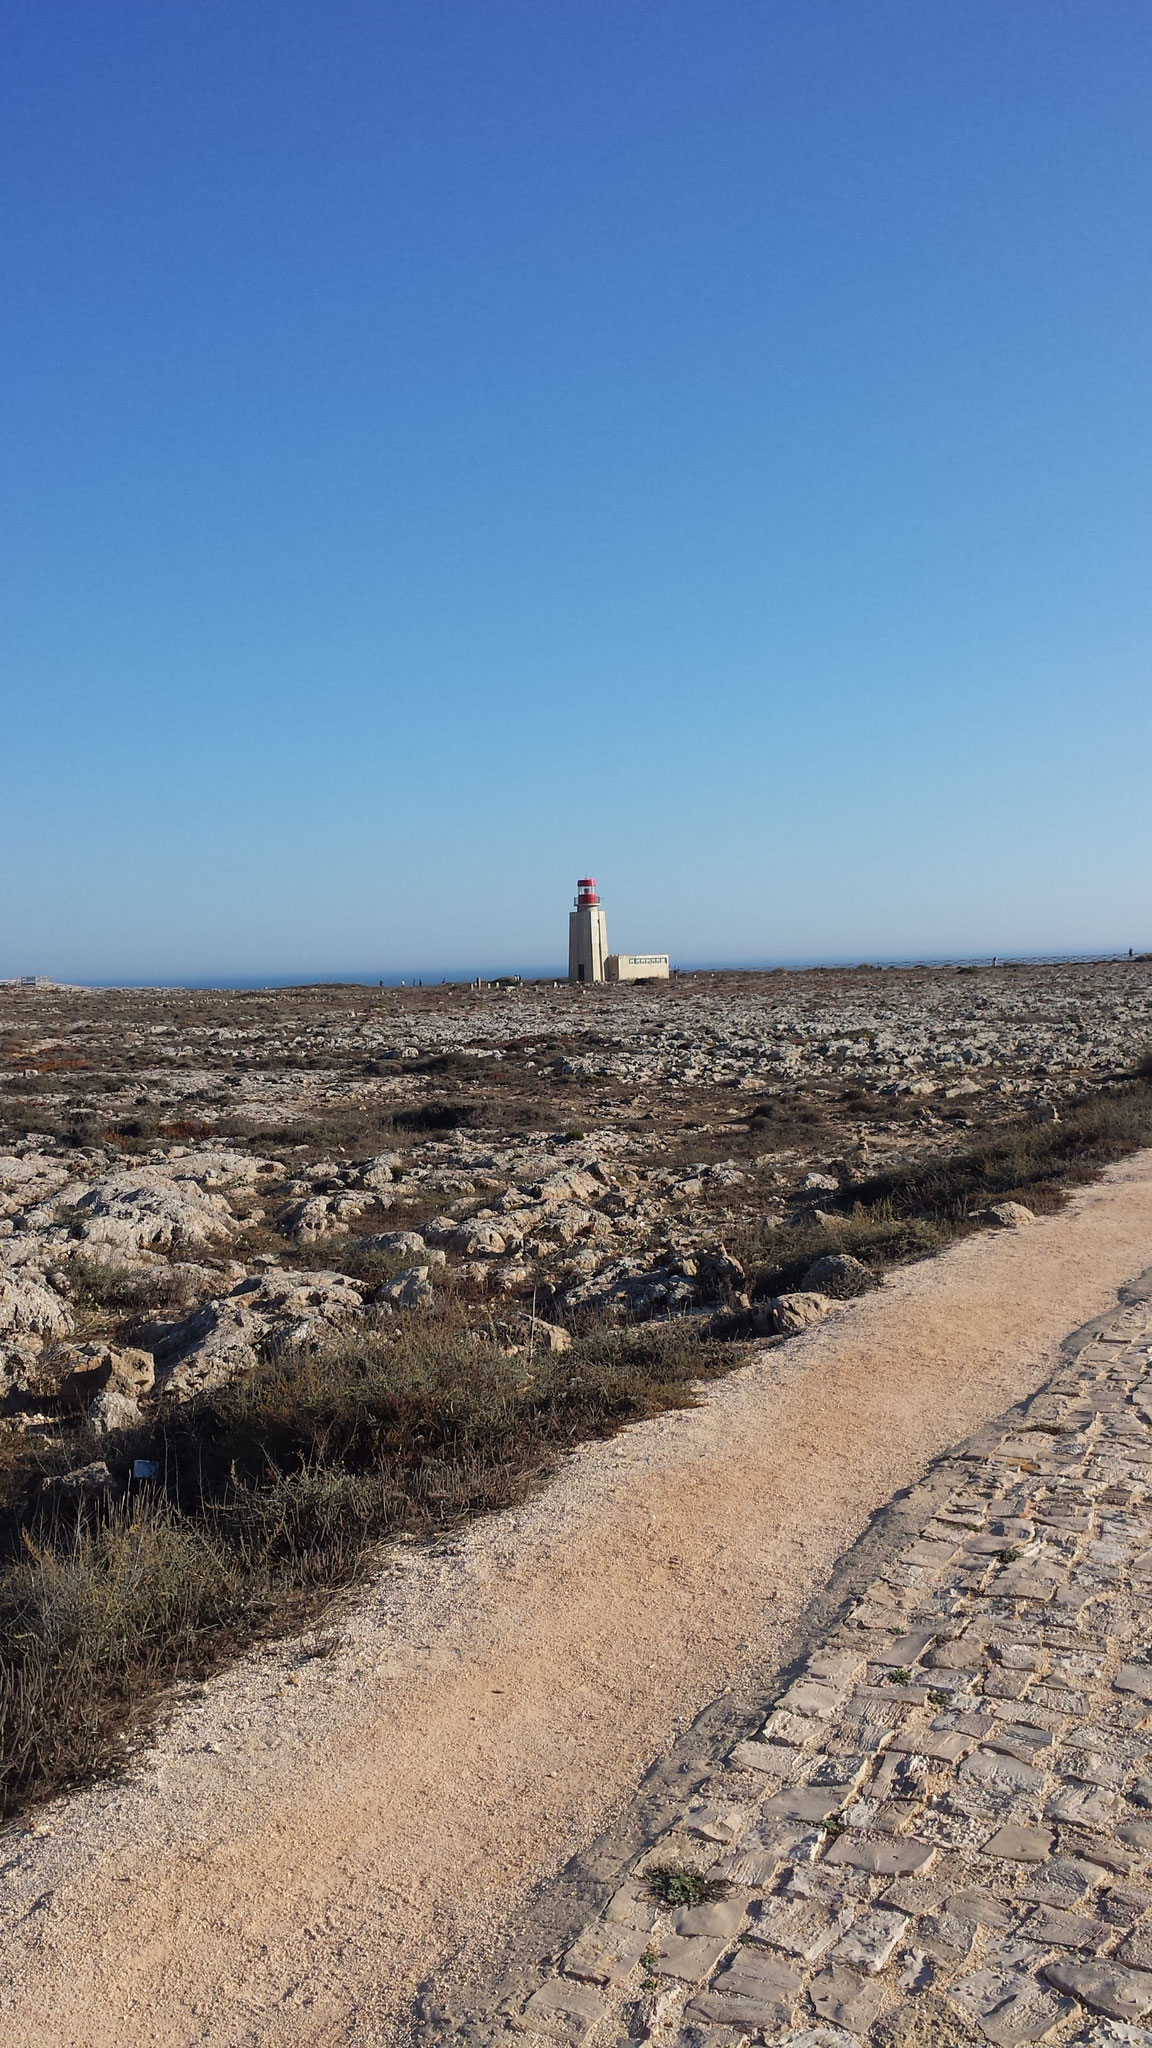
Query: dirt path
point(316, 1837)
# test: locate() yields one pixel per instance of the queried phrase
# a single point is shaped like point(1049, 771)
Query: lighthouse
point(587, 934)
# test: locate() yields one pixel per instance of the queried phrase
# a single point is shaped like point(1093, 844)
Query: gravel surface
point(317, 1836)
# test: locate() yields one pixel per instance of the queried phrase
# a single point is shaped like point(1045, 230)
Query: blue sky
point(449, 448)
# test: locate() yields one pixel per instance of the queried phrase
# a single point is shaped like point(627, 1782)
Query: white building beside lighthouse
point(588, 955)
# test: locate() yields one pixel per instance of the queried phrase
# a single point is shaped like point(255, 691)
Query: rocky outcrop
point(28, 1307)
point(228, 1335)
point(689, 1281)
point(410, 1289)
point(93, 1369)
point(144, 1209)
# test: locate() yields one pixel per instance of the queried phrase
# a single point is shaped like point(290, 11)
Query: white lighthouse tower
point(587, 934)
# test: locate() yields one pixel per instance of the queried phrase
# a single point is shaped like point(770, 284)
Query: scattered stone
point(28, 1307)
point(86, 1485)
point(787, 1314)
point(1008, 1215)
point(112, 1410)
point(410, 1289)
point(95, 1367)
point(839, 1274)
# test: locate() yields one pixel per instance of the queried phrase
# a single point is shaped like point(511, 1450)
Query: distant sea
point(360, 977)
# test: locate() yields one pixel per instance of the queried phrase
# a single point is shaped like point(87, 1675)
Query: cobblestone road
point(942, 1834)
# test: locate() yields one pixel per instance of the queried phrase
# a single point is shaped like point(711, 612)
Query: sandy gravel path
point(314, 1838)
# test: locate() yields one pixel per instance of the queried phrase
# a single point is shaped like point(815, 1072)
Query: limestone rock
point(410, 1289)
point(97, 1367)
point(837, 1273)
point(378, 1174)
point(544, 1336)
point(28, 1306)
point(85, 1485)
point(227, 1335)
point(787, 1314)
point(397, 1243)
point(113, 1410)
point(145, 1209)
point(19, 1364)
point(478, 1239)
point(1008, 1215)
point(306, 1221)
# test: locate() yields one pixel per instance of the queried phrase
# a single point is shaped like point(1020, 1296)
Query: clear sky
point(451, 446)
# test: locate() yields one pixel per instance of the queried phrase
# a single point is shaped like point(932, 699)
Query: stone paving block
point(1110, 1855)
point(771, 1758)
point(605, 1954)
point(757, 1988)
point(839, 1995)
point(803, 1803)
point(1021, 1844)
point(813, 2037)
point(1065, 1882)
point(1104, 1986)
point(1135, 1951)
point(1030, 2016)
point(884, 1859)
point(698, 2034)
point(562, 2010)
point(1138, 1833)
point(716, 1820)
point(1007, 1685)
point(796, 1730)
point(1124, 1905)
point(904, 1652)
point(1135, 1678)
point(1052, 1925)
point(1000, 1995)
point(943, 1745)
point(813, 1699)
point(945, 1937)
point(801, 1927)
point(1004, 1774)
point(1082, 1807)
point(1113, 2034)
point(1028, 1744)
point(838, 1667)
point(981, 1907)
point(689, 1958)
point(632, 1906)
point(719, 1918)
point(871, 1941)
point(842, 1771)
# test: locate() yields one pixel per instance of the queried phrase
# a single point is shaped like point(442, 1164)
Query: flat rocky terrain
point(190, 1178)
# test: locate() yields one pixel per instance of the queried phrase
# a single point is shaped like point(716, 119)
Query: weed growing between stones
point(677, 1884)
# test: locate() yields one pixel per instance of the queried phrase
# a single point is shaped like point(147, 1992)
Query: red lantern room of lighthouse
point(587, 934)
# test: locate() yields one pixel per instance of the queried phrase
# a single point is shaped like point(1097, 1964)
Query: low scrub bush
point(906, 1214)
point(270, 1496)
